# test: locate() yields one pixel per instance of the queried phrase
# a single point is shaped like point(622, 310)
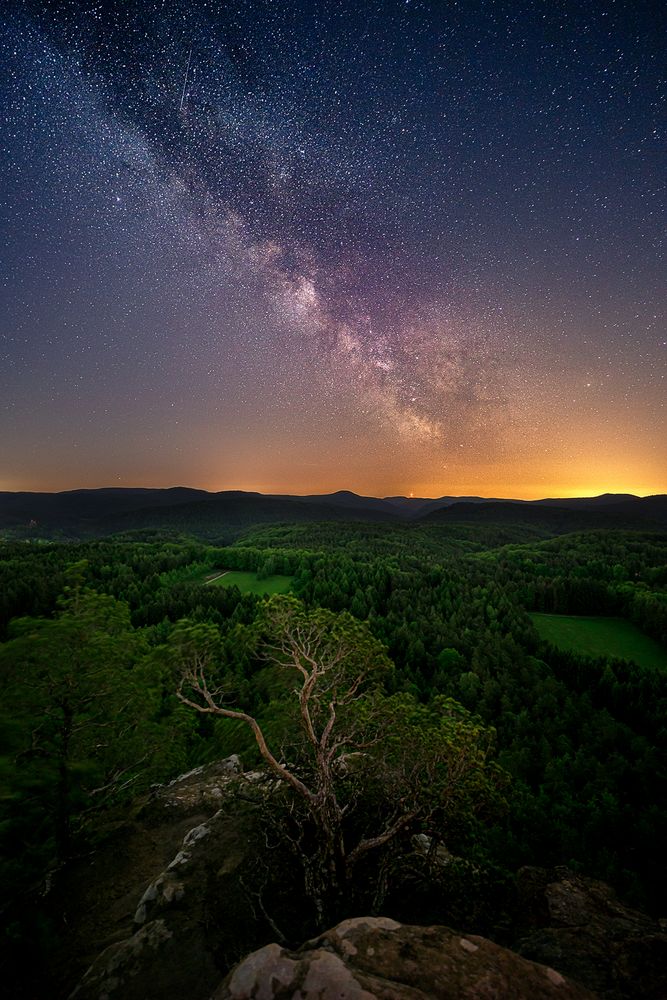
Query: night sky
point(297, 247)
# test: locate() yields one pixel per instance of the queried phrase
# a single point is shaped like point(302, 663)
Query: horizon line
point(583, 495)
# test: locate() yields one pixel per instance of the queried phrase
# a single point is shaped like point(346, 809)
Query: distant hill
point(419, 506)
point(556, 520)
point(654, 507)
point(74, 507)
point(86, 513)
point(583, 503)
point(223, 515)
point(345, 498)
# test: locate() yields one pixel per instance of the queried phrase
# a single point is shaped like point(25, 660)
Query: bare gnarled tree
point(371, 766)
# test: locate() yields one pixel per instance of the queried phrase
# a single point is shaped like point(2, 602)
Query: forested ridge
point(220, 517)
point(90, 633)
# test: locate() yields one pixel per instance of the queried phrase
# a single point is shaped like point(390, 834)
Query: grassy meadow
point(601, 637)
point(249, 583)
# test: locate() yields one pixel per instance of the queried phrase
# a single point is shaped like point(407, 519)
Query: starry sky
point(300, 246)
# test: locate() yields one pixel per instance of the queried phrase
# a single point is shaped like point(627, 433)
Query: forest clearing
point(601, 636)
point(250, 583)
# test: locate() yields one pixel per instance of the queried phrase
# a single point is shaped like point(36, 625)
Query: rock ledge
point(376, 958)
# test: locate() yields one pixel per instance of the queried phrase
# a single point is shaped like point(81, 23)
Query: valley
point(535, 651)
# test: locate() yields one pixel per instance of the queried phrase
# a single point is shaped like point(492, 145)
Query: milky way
point(304, 246)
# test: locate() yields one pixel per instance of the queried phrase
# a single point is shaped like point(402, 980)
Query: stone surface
point(188, 885)
point(170, 934)
point(120, 962)
point(203, 788)
point(375, 958)
point(578, 925)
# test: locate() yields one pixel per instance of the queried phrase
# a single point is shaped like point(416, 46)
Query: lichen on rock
point(375, 958)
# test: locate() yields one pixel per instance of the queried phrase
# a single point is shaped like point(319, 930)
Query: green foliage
point(364, 770)
point(435, 758)
point(254, 583)
point(583, 737)
point(601, 637)
point(89, 720)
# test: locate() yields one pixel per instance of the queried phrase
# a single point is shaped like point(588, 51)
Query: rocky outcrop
point(168, 945)
point(171, 934)
point(189, 884)
point(578, 925)
point(202, 788)
point(376, 958)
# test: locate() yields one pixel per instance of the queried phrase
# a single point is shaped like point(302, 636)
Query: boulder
point(175, 932)
point(580, 926)
point(190, 883)
point(376, 958)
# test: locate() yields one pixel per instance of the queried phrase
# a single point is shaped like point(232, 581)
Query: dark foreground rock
point(195, 915)
point(189, 886)
point(578, 925)
point(375, 958)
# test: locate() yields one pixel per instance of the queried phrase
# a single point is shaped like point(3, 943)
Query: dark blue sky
point(304, 246)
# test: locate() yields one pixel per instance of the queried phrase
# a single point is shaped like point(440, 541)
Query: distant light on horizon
point(300, 248)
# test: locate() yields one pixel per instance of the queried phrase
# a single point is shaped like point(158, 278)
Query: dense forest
point(573, 769)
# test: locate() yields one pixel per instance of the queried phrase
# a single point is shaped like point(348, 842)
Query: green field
point(601, 637)
point(248, 582)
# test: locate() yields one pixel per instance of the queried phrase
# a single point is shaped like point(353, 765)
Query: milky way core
point(296, 247)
